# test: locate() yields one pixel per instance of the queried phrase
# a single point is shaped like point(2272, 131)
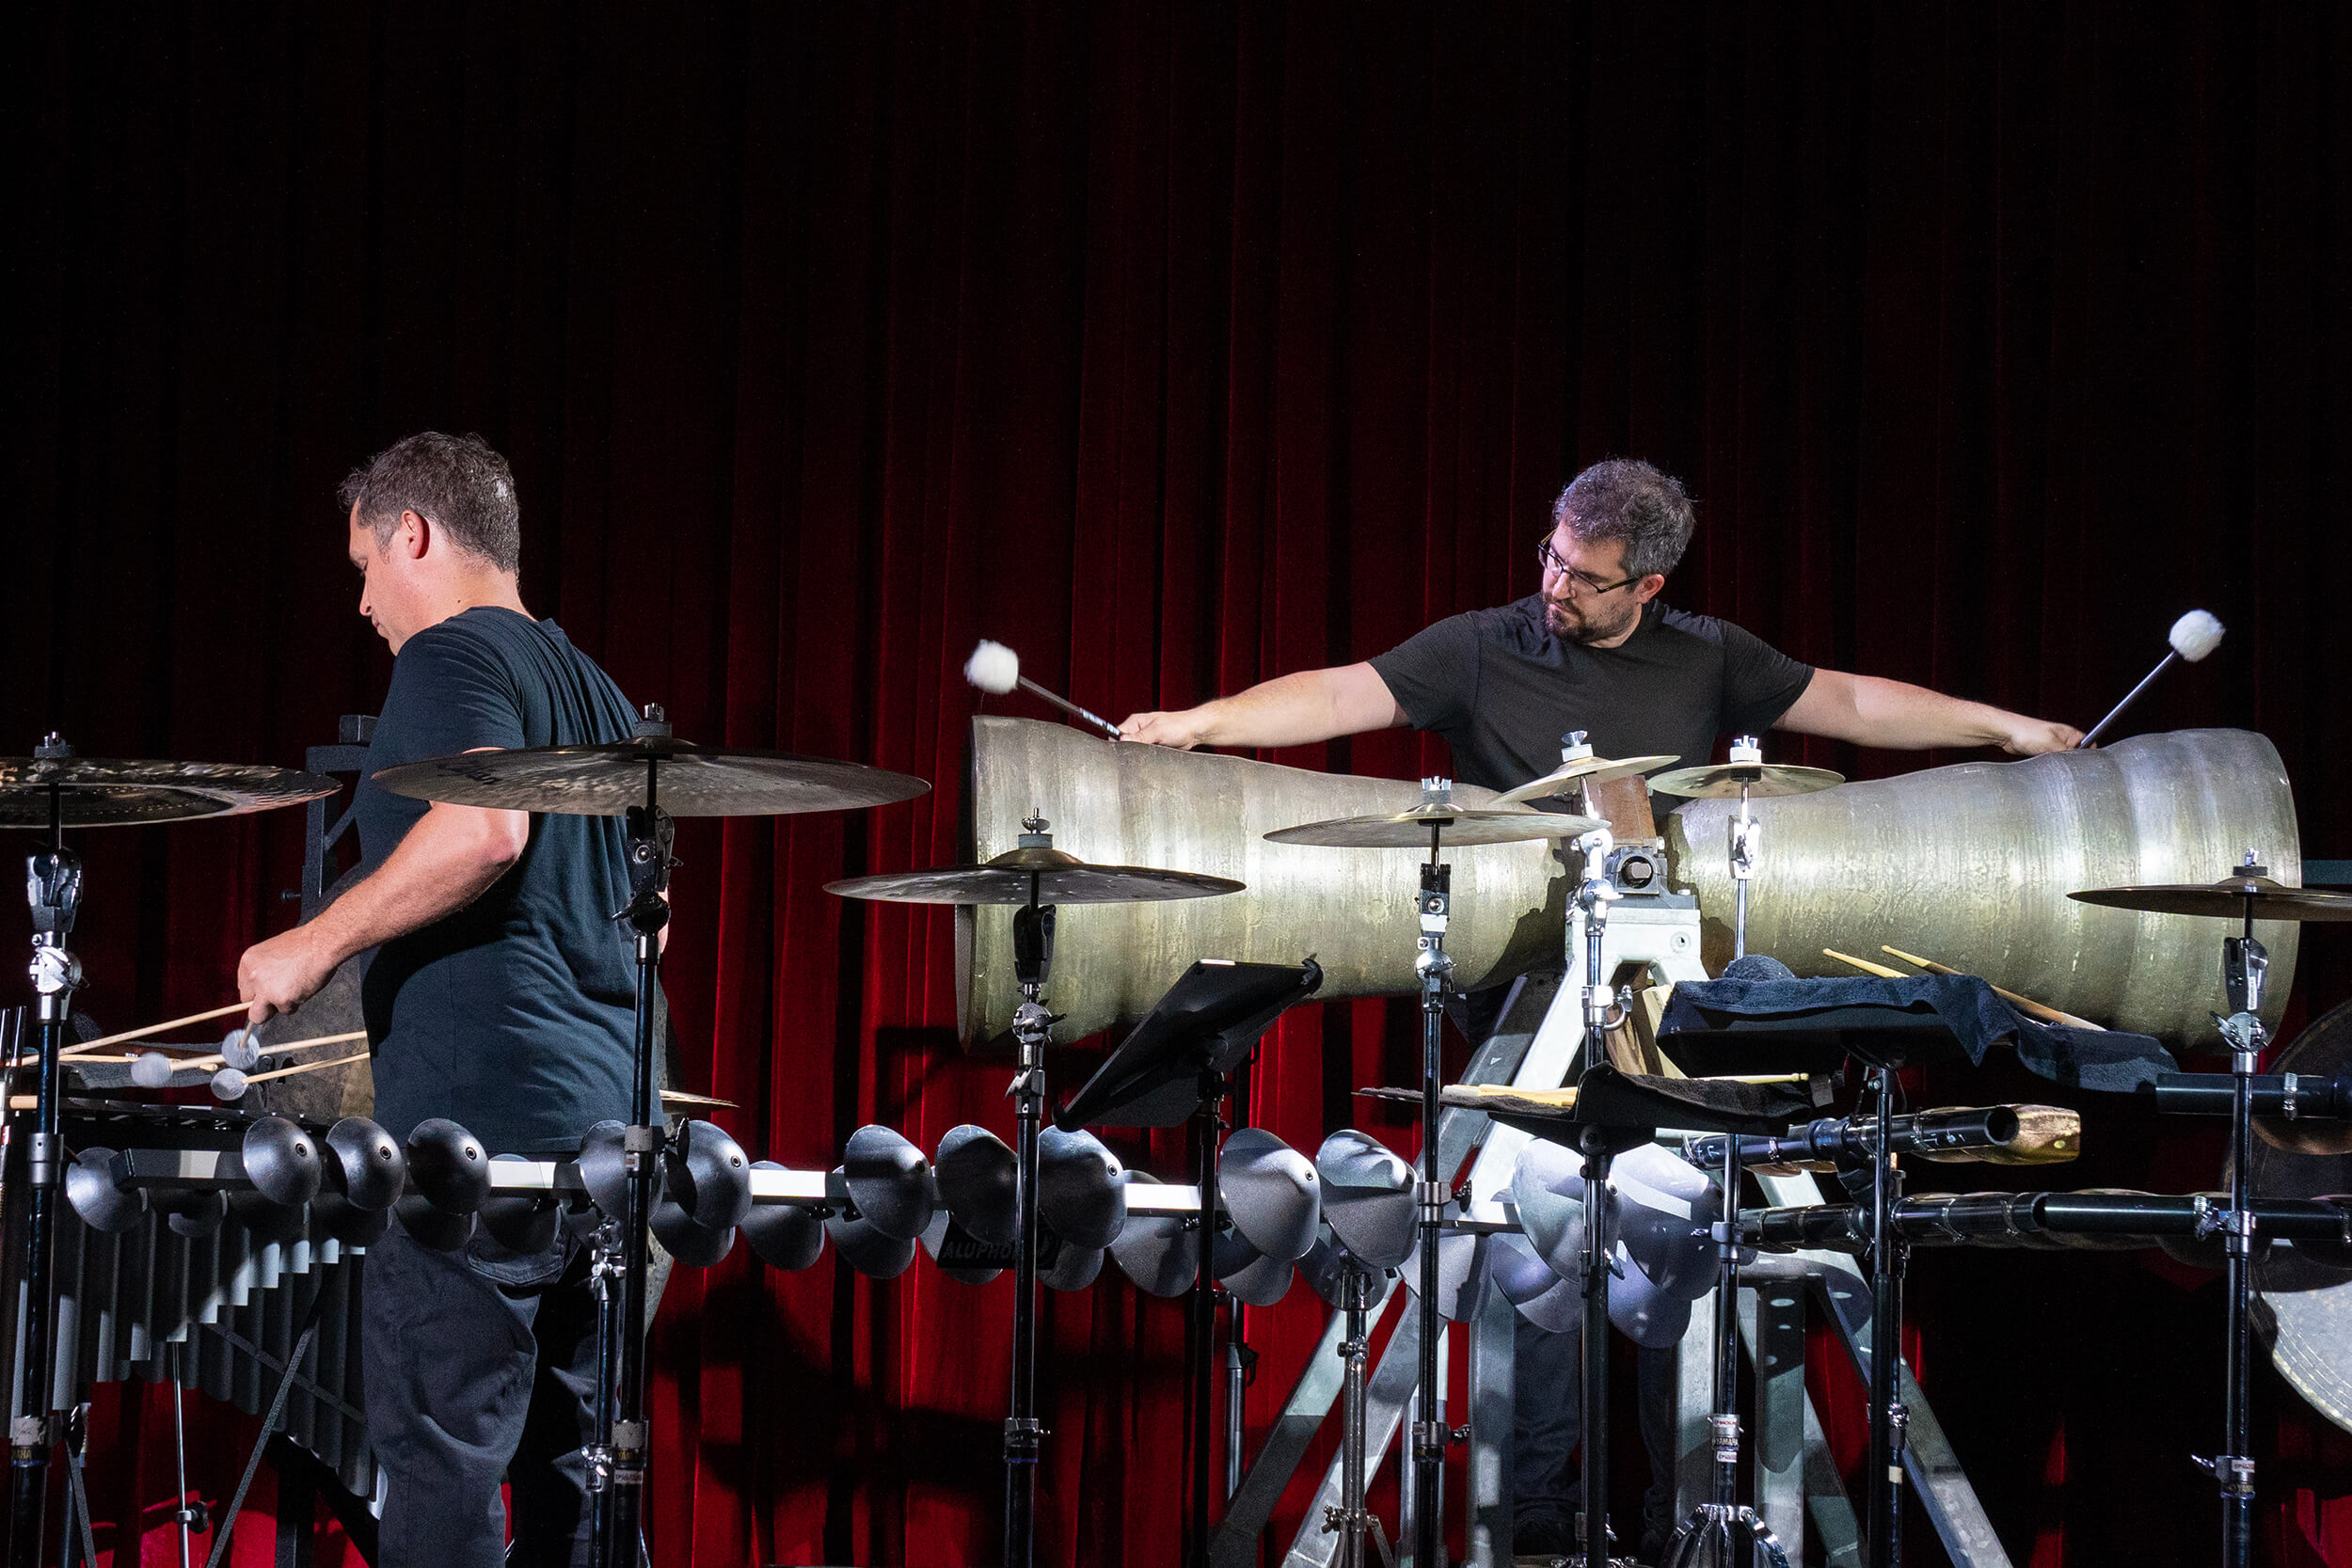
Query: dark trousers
point(481, 1366)
point(1548, 1373)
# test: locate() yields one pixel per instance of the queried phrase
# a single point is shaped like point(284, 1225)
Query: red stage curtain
point(1177, 346)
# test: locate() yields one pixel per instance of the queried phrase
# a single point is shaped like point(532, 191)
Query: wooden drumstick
point(2023, 1004)
point(1864, 965)
point(215, 1059)
point(307, 1066)
point(151, 1029)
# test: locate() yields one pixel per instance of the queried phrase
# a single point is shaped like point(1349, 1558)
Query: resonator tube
point(1954, 1130)
point(2047, 1221)
point(2288, 1094)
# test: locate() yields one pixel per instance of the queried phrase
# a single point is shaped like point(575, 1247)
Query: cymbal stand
point(1349, 1518)
point(617, 1462)
point(1718, 1525)
point(1207, 1124)
point(1746, 831)
point(2244, 968)
point(1434, 968)
point(1889, 1419)
point(1032, 1024)
point(53, 889)
point(1600, 1151)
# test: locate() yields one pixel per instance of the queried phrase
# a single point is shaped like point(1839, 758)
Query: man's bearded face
point(1572, 610)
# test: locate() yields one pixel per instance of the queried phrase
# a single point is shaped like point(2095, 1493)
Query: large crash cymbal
point(2229, 898)
point(690, 779)
point(1451, 824)
point(107, 792)
point(2322, 1050)
point(1764, 780)
point(1049, 875)
point(1580, 773)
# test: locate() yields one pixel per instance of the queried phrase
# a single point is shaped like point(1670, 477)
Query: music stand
point(1177, 1067)
point(1886, 1039)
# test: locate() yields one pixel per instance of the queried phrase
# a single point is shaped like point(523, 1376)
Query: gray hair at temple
point(1624, 497)
point(458, 481)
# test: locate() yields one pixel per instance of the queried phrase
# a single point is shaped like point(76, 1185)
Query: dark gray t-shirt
point(514, 1016)
point(1501, 689)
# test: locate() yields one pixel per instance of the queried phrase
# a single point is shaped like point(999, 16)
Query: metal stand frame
point(1207, 1123)
point(2244, 968)
point(1430, 1432)
point(1032, 1025)
point(617, 1459)
point(54, 890)
point(1889, 1419)
point(1722, 1524)
point(1600, 1151)
point(1349, 1518)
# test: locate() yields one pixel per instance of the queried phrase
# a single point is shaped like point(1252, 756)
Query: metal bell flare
point(1081, 1188)
point(347, 1222)
point(447, 1167)
point(265, 1219)
point(523, 1221)
point(1329, 1263)
point(364, 1165)
point(604, 1168)
point(1367, 1197)
point(1270, 1192)
point(872, 1251)
point(688, 1240)
point(93, 1187)
point(1252, 1276)
point(282, 1161)
point(783, 1235)
point(707, 1174)
point(935, 1236)
point(435, 1228)
point(1156, 1252)
point(191, 1215)
point(1644, 1314)
point(890, 1181)
point(1548, 1189)
point(1664, 1207)
point(978, 1177)
point(1073, 1268)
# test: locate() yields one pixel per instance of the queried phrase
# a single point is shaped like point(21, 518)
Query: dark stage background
point(1178, 345)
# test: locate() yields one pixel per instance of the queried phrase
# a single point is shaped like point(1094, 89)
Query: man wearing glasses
point(1592, 650)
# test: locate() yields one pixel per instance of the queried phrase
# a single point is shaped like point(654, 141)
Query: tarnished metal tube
point(2093, 1220)
point(1971, 865)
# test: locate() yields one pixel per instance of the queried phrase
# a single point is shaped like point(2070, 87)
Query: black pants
point(481, 1366)
point(1547, 1371)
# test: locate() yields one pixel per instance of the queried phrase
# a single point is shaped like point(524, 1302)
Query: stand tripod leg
point(1593, 1398)
point(1429, 1431)
point(1888, 1418)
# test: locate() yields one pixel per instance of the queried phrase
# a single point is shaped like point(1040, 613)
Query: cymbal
point(606, 780)
point(2322, 1050)
point(2227, 899)
point(1766, 780)
point(1457, 825)
point(679, 1096)
point(104, 792)
point(1055, 877)
point(1571, 777)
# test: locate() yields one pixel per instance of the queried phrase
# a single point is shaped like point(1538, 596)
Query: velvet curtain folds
point(1176, 345)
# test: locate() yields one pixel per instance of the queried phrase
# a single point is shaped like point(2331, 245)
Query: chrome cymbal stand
point(1714, 1532)
point(1350, 1517)
point(53, 889)
point(1746, 831)
point(2244, 968)
point(1032, 1024)
point(1600, 1151)
point(1434, 968)
point(1890, 1420)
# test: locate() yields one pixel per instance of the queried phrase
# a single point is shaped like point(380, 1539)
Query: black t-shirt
point(1502, 689)
point(516, 1016)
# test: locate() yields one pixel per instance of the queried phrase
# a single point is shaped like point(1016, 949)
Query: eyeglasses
point(1550, 560)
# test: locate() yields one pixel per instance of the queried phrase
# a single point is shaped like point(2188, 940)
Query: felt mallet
point(2194, 635)
point(993, 667)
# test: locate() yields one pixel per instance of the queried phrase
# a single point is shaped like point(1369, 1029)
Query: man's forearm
point(1871, 711)
point(1289, 710)
point(446, 861)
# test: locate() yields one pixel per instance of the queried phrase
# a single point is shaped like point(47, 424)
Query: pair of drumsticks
point(84, 1051)
point(2023, 1004)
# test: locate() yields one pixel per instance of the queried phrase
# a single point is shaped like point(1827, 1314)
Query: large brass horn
point(1190, 811)
point(1971, 866)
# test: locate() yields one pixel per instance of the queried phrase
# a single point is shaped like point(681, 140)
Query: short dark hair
point(458, 481)
point(1624, 497)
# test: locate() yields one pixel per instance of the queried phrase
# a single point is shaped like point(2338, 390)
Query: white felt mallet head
point(241, 1050)
point(2195, 634)
point(992, 667)
point(150, 1069)
point(227, 1084)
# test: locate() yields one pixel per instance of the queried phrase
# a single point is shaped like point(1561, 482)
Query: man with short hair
point(1593, 649)
point(500, 996)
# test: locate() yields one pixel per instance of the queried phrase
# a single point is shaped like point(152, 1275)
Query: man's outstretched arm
point(1289, 710)
point(1900, 716)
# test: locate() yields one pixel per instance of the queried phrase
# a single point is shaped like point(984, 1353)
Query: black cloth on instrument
point(516, 1016)
point(1502, 689)
point(1976, 1016)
